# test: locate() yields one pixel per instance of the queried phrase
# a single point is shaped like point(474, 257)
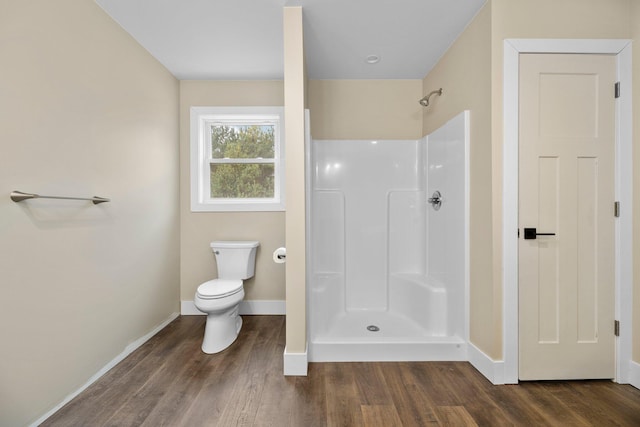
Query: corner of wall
point(492, 370)
point(295, 224)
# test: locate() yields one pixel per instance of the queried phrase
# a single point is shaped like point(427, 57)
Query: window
point(237, 161)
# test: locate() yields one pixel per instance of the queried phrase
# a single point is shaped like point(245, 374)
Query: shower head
point(425, 101)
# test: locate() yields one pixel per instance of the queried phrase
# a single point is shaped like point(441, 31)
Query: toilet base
point(221, 331)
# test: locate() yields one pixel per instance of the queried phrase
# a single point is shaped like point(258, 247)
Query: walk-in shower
point(387, 270)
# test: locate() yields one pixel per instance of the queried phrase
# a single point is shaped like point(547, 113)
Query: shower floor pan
point(352, 337)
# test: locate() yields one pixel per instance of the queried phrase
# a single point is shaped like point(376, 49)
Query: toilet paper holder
point(280, 255)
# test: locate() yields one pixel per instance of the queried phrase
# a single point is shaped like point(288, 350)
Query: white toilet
point(220, 298)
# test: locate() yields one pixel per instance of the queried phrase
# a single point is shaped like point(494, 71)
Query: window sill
point(238, 207)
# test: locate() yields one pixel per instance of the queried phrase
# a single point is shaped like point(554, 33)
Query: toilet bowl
point(220, 298)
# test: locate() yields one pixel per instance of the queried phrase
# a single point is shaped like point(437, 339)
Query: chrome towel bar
point(18, 196)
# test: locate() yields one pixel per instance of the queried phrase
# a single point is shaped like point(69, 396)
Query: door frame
point(623, 189)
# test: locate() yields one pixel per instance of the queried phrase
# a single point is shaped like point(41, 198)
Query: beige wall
point(465, 90)
point(635, 32)
point(480, 48)
point(365, 109)
point(591, 19)
point(84, 110)
point(294, 92)
point(199, 229)
point(481, 42)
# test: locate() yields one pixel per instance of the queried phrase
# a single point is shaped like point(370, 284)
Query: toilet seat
point(219, 288)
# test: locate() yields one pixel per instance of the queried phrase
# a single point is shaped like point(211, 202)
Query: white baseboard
point(295, 364)
point(127, 351)
point(634, 374)
point(250, 307)
point(491, 369)
point(265, 307)
point(494, 370)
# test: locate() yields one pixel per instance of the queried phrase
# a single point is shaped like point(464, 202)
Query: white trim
point(263, 307)
point(599, 46)
point(491, 369)
point(467, 225)
point(439, 349)
point(188, 308)
point(510, 216)
point(128, 350)
point(295, 364)
point(634, 374)
point(624, 225)
point(624, 168)
point(247, 307)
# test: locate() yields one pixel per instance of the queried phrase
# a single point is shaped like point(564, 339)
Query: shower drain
point(373, 328)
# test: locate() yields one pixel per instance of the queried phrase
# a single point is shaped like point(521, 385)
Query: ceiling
point(243, 39)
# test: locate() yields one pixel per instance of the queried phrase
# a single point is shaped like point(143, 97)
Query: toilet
point(220, 298)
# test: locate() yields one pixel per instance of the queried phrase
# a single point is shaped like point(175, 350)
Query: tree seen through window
point(242, 178)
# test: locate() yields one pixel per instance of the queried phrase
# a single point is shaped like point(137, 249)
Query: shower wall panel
point(327, 258)
point(328, 230)
point(407, 232)
point(366, 173)
point(389, 274)
point(446, 172)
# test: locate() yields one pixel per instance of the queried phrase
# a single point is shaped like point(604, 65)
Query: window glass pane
point(242, 141)
point(242, 181)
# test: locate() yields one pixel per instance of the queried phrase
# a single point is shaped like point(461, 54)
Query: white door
point(566, 192)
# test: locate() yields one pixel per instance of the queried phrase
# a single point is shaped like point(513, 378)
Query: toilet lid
point(219, 288)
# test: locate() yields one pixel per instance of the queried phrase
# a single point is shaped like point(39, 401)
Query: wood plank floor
point(170, 382)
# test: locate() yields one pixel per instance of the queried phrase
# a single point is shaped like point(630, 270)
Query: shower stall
point(388, 247)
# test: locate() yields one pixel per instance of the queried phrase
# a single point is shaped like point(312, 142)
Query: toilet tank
point(235, 260)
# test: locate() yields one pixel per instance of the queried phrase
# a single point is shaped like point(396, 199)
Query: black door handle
point(531, 233)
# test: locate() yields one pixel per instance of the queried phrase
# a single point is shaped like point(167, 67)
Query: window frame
point(201, 120)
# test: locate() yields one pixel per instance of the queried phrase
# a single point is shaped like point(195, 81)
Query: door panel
point(566, 187)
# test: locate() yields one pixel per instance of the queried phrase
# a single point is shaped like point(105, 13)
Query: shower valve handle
point(435, 200)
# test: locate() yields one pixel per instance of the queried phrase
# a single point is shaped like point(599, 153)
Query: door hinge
point(616, 328)
point(616, 209)
point(617, 89)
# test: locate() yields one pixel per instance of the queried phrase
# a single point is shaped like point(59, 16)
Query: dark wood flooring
point(170, 382)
